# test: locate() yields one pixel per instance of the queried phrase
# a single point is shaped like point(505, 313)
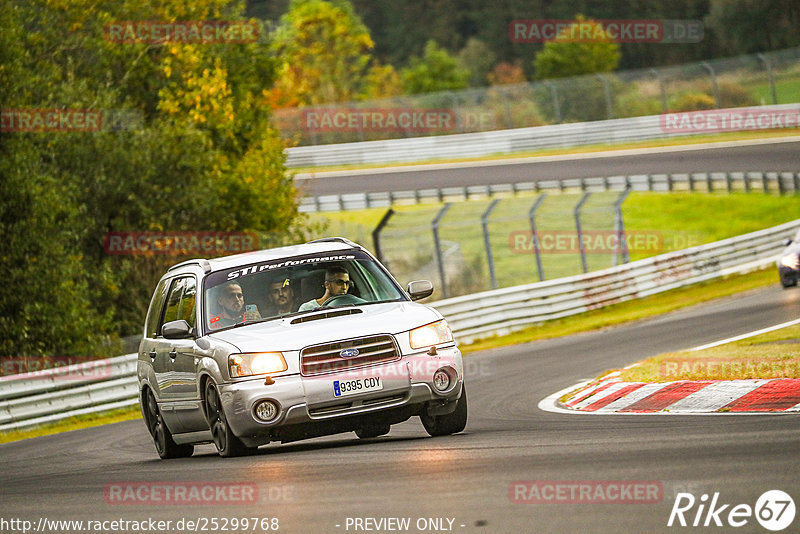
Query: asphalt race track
point(316, 485)
point(782, 156)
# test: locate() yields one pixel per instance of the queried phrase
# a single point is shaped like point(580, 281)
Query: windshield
point(272, 289)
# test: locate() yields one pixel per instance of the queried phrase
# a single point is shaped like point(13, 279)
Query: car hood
point(281, 335)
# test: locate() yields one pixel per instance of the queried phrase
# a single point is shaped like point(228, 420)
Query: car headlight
point(256, 363)
point(791, 261)
point(430, 334)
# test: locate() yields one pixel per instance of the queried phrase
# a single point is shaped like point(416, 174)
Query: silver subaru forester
point(292, 343)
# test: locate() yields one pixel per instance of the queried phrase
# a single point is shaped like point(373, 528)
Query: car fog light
point(441, 380)
point(266, 410)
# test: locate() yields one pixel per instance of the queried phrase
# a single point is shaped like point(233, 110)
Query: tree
point(479, 59)
point(203, 156)
point(564, 56)
point(324, 54)
point(749, 26)
point(507, 73)
point(435, 71)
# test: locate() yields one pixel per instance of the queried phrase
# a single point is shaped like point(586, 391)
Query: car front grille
point(327, 358)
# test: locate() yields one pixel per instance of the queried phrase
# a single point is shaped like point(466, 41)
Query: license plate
point(343, 388)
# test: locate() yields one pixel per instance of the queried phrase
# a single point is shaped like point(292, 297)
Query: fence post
point(556, 106)
point(487, 243)
point(771, 77)
point(438, 247)
point(376, 234)
point(619, 229)
point(577, 214)
point(535, 236)
point(713, 75)
point(506, 110)
point(662, 89)
point(607, 91)
point(459, 123)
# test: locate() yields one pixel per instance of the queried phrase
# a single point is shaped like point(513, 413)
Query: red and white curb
point(610, 395)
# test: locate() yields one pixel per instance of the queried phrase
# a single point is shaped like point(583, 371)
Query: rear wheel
point(226, 441)
point(372, 431)
point(443, 425)
point(162, 437)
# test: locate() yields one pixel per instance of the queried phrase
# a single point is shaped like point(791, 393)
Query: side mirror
point(419, 289)
point(179, 329)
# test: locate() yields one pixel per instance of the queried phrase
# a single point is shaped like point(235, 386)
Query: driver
point(337, 281)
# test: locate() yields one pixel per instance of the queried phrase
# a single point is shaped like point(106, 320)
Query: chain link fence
point(749, 80)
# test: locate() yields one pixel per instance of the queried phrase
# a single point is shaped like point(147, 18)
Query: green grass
point(785, 90)
point(674, 220)
point(73, 423)
point(633, 310)
point(772, 355)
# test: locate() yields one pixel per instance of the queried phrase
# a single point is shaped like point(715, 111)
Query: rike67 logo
point(774, 510)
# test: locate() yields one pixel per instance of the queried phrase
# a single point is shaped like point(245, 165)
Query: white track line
point(745, 336)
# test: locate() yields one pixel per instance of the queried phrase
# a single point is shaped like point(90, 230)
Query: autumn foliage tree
point(201, 155)
point(323, 52)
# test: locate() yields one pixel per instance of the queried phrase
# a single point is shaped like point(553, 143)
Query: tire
point(372, 431)
point(228, 445)
point(444, 425)
point(162, 437)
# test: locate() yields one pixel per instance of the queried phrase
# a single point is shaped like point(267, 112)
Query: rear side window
point(181, 301)
point(154, 313)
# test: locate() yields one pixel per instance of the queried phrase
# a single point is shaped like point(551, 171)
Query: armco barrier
point(51, 394)
point(45, 396)
point(504, 310)
point(778, 182)
point(481, 144)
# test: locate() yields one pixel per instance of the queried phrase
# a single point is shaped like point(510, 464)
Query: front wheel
point(227, 443)
point(162, 437)
point(443, 425)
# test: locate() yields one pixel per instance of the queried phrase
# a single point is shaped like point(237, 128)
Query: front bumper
point(308, 402)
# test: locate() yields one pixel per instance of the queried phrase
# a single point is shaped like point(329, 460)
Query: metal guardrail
point(52, 394)
point(502, 311)
point(49, 395)
point(510, 141)
point(780, 182)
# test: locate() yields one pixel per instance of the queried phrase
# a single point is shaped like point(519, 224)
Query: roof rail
point(336, 240)
point(202, 262)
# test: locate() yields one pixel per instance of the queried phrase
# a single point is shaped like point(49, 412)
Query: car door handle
point(152, 354)
point(173, 354)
